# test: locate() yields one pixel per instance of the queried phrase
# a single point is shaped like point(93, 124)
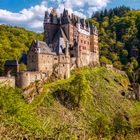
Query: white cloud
point(32, 18)
point(98, 4)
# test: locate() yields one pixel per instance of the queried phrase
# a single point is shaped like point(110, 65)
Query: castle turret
point(53, 17)
point(94, 46)
point(51, 25)
point(23, 80)
point(65, 18)
point(47, 17)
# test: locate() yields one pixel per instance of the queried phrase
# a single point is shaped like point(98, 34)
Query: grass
point(89, 105)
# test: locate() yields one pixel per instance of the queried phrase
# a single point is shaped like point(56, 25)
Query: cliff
point(92, 104)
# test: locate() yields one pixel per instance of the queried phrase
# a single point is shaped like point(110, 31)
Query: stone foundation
point(24, 79)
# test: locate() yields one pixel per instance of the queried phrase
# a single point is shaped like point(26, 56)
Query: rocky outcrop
point(136, 88)
point(33, 90)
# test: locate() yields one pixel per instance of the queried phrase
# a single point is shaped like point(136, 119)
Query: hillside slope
point(13, 42)
point(89, 105)
point(119, 33)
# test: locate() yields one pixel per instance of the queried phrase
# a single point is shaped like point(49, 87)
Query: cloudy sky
point(30, 13)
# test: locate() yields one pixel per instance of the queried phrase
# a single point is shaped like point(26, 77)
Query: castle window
point(55, 58)
point(35, 77)
point(84, 48)
point(72, 55)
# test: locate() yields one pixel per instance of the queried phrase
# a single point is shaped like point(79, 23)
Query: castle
point(69, 42)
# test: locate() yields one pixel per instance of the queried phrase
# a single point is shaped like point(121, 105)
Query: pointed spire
point(46, 14)
point(65, 17)
point(47, 17)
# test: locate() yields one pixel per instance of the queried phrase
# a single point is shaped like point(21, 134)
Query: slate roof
point(23, 59)
point(11, 63)
point(62, 34)
point(57, 47)
point(43, 47)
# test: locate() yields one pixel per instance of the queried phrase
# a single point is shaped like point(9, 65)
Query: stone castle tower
point(69, 42)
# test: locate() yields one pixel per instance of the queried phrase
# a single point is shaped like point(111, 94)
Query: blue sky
point(29, 13)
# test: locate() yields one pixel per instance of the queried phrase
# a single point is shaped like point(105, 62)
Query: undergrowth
point(89, 105)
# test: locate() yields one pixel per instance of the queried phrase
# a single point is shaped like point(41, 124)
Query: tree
point(105, 60)
point(13, 42)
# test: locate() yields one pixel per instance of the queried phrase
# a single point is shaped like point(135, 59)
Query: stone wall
point(49, 32)
point(94, 58)
point(93, 42)
point(7, 81)
point(84, 43)
point(32, 60)
point(110, 67)
point(45, 63)
point(24, 79)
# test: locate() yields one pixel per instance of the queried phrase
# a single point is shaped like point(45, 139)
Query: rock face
point(136, 88)
point(32, 91)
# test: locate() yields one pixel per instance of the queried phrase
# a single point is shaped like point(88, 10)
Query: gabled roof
point(11, 63)
point(59, 34)
point(58, 41)
point(43, 47)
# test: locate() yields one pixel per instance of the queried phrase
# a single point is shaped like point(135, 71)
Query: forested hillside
point(119, 36)
point(13, 42)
